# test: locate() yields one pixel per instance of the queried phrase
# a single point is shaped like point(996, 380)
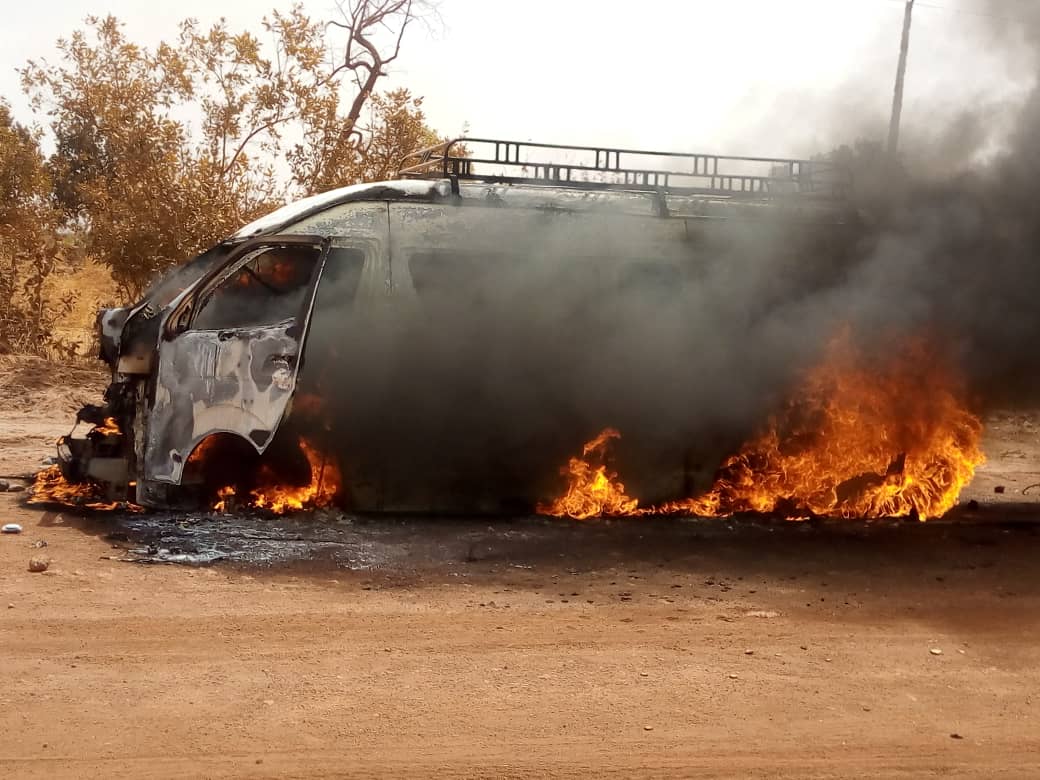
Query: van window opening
point(270, 287)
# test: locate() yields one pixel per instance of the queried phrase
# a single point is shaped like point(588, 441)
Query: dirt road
point(525, 649)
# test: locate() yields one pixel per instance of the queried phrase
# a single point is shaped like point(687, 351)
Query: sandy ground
point(528, 648)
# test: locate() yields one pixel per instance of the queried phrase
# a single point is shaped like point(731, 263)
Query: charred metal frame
point(608, 168)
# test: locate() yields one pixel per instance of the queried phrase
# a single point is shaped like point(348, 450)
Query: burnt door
point(230, 353)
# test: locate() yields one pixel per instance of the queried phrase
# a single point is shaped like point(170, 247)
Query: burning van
point(441, 341)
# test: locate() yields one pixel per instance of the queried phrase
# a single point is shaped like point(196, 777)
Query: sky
point(748, 77)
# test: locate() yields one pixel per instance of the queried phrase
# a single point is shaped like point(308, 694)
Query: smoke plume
point(528, 336)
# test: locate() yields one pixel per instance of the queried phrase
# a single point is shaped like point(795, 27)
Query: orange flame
point(592, 491)
point(858, 440)
point(109, 428)
point(272, 495)
point(203, 451)
point(51, 487)
point(224, 496)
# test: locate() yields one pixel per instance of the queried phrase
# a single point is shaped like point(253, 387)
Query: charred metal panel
point(111, 470)
point(109, 327)
point(347, 222)
point(289, 217)
point(534, 239)
point(241, 380)
point(360, 226)
point(234, 381)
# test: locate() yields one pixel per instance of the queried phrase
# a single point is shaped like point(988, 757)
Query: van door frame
point(232, 380)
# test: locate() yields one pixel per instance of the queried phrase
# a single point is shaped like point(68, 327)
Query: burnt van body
point(450, 336)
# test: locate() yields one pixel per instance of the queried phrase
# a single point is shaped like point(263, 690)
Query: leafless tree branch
point(364, 22)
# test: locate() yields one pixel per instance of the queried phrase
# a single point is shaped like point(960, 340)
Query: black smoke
point(532, 337)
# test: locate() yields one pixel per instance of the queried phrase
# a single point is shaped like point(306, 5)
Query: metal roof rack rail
point(605, 168)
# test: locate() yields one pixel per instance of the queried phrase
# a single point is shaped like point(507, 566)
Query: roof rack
point(604, 168)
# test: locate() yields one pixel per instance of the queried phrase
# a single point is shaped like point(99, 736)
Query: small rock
point(648, 728)
point(51, 461)
point(762, 613)
point(11, 528)
point(10, 606)
point(644, 674)
point(828, 660)
point(999, 489)
point(268, 702)
point(16, 488)
point(749, 652)
point(40, 543)
point(955, 735)
point(935, 651)
point(732, 676)
point(38, 564)
point(4, 485)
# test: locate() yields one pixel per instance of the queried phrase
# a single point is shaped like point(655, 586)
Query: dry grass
point(94, 289)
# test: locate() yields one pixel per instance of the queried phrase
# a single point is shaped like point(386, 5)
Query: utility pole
point(897, 100)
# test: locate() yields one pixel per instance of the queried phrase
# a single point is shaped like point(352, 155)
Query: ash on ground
point(333, 540)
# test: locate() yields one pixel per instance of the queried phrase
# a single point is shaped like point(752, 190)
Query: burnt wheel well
point(227, 459)
point(220, 459)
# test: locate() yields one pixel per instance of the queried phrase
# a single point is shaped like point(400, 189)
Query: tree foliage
point(30, 242)
point(161, 152)
point(396, 126)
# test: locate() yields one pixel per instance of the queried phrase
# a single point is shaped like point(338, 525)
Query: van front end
point(100, 454)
